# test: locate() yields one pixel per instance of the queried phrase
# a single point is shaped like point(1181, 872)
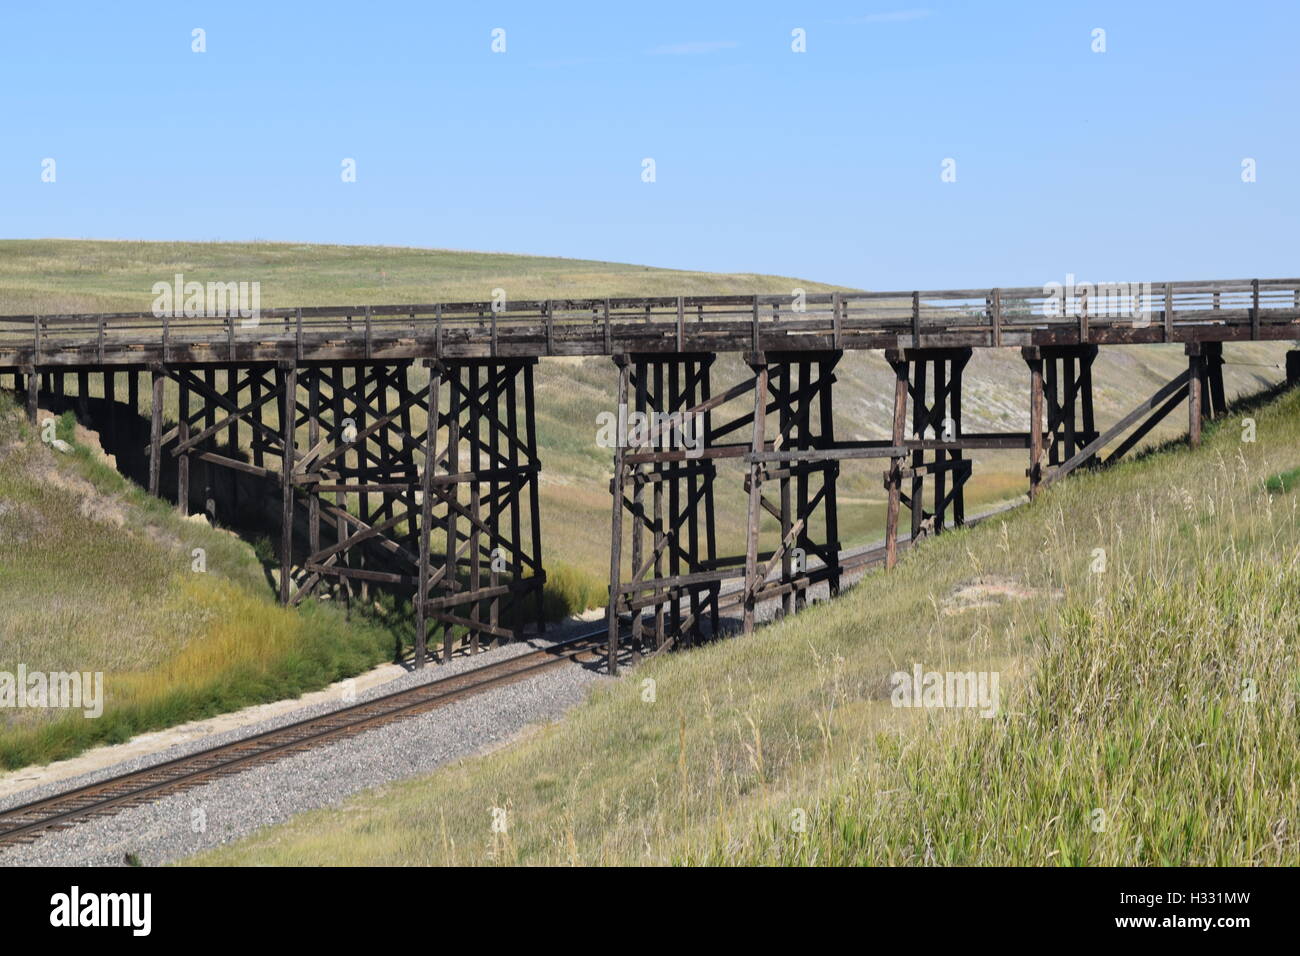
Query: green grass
point(95, 575)
point(1283, 481)
point(1147, 712)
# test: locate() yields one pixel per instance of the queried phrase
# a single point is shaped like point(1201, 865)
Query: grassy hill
point(1143, 623)
point(96, 575)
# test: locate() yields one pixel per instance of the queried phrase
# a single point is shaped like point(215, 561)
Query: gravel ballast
point(232, 807)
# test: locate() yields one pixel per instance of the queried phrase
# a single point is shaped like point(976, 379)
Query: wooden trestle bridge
point(398, 426)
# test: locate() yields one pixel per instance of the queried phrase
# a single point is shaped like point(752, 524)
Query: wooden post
point(785, 422)
point(959, 473)
point(426, 513)
point(1034, 359)
point(1214, 396)
point(516, 521)
point(616, 525)
point(534, 496)
point(1194, 361)
point(494, 488)
point(831, 473)
point(33, 395)
point(183, 460)
point(341, 529)
point(937, 416)
point(638, 504)
point(288, 417)
point(920, 418)
point(451, 493)
point(476, 516)
point(155, 430)
point(755, 491)
point(313, 437)
point(898, 434)
point(657, 493)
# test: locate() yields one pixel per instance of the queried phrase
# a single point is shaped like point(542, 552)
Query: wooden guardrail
point(1244, 309)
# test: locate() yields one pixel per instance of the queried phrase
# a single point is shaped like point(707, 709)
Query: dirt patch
point(90, 439)
point(992, 591)
point(90, 503)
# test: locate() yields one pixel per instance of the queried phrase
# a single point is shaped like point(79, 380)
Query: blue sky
point(1115, 166)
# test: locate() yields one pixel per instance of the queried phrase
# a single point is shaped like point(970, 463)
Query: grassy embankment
point(1147, 711)
point(96, 575)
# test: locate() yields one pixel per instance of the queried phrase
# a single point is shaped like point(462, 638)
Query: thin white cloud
point(693, 48)
point(896, 16)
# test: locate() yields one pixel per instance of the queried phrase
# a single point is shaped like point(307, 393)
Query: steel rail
point(62, 810)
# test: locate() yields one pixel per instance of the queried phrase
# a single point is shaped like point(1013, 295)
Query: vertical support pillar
point(1034, 359)
point(313, 438)
point(155, 429)
point(957, 455)
point(616, 524)
point(516, 521)
point(183, 459)
point(830, 475)
point(1213, 399)
point(534, 496)
point(33, 395)
point(232, 438)
point(784, 390)
point(659, 541)
point(475, 512)
point(898, 435)
point(1195, 364)
point(341, 529)
point(209, 419)
point(451, 578)
point(638, 500)
point(495, 375)
point(288, 418)
point(426, 513)
point(759, 363)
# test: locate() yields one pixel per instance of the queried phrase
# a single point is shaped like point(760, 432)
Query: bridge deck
point(1213, 311)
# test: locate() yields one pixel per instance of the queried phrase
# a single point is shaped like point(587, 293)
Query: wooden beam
point(155, 430)
point(288, 418)
point(426, 514)
point(616, 528)
point(1088, 451)
point(755, 493)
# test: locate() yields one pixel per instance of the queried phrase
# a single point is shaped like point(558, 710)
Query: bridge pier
point(932, 380)
point(381, 478)
point(1060, 384)
point(485, 535)
point(1205, 393)
point(669, 443)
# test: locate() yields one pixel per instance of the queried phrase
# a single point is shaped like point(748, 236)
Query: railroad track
point(26, 823)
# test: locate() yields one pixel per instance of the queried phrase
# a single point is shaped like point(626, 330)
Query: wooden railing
point(1150, 312)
